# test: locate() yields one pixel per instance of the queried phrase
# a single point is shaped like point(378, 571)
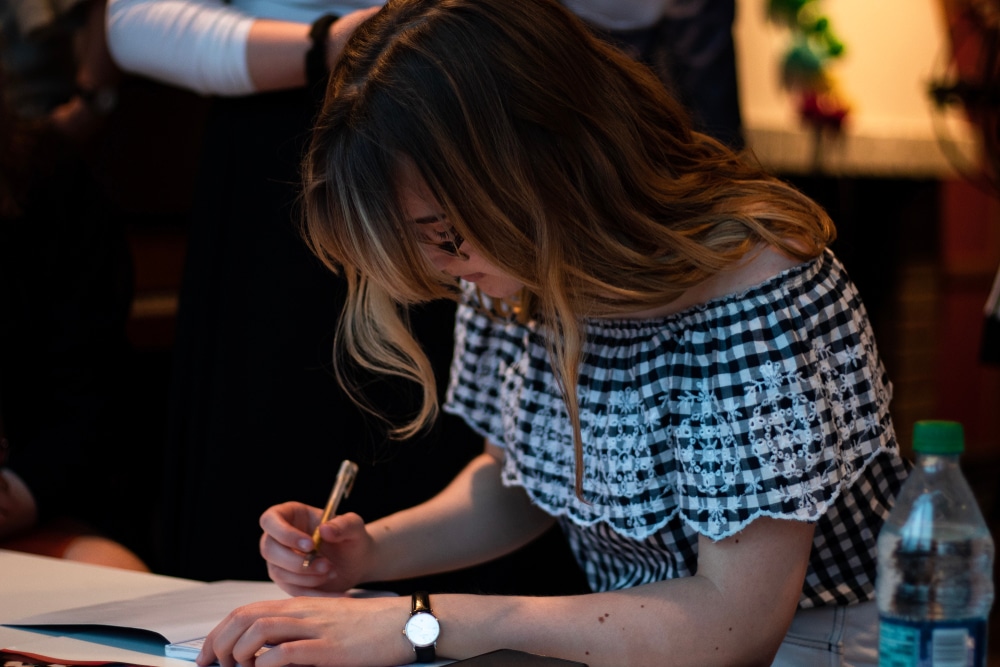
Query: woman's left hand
point(326, 632)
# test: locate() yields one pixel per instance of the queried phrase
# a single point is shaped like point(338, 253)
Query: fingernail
point(305, 545)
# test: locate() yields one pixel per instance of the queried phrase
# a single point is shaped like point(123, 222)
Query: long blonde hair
point(562, 161)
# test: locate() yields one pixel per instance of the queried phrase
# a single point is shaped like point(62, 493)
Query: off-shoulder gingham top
point(772, 402)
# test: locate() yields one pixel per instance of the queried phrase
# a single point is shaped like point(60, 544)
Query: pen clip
point(346, 476)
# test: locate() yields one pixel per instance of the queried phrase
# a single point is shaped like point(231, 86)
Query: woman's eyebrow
point(427, 219)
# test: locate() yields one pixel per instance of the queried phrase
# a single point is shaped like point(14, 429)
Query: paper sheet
point(174, 615)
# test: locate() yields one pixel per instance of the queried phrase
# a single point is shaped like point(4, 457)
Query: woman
point(661, 352)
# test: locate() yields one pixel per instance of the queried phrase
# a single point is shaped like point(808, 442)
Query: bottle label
point(903, 643)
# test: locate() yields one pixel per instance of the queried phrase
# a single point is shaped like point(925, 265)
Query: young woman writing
point(660, 350)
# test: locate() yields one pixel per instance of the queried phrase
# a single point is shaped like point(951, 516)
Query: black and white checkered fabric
point(772, 403)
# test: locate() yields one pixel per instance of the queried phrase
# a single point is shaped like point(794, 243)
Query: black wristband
point(317, 69)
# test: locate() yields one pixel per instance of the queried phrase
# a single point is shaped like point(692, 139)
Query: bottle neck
point(935, 461)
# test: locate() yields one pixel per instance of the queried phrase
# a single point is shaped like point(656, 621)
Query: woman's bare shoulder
point(756, 268)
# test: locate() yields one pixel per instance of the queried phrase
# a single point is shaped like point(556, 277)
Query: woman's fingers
point(317, 631)
point(291, 524)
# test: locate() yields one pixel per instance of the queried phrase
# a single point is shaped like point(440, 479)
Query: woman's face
point(422, 209)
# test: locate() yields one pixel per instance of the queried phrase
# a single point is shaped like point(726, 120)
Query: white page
point(35, 584)
point(176, 615)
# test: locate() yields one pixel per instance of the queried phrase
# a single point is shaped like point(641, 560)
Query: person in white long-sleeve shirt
point(252, 354)
point(218, 48)
point(249, 46)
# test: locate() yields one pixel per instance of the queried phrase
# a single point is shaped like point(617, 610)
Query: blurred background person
point(65, 289)
point(688, 43)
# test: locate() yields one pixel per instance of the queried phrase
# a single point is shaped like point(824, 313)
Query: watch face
point(422, 629)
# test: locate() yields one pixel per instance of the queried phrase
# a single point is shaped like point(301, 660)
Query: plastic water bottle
point(935, 562)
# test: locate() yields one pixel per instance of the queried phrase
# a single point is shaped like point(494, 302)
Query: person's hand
point(75, 120)
point(18, 510)
point(287, 538)
point(341, 31)
point(326, 632)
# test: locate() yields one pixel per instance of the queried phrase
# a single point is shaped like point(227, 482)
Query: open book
point(177, 616)
point(56, 611)
point(181, 617)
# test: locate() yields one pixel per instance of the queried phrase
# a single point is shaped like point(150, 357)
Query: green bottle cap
point(938, 437)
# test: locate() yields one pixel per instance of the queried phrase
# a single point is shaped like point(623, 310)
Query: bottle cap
point(938, 437)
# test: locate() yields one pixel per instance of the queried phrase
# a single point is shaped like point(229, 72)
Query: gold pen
point(341, 488)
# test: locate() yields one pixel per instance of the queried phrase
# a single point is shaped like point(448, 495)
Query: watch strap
point(425, 653)
point(420, 601)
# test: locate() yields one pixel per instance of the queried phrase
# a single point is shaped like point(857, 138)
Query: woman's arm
point(194, 44)
point(276, 50)
point(213, 48)
point(474, 519)
point(734, 611)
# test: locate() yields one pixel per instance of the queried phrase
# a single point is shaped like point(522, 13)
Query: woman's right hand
point(343, 555)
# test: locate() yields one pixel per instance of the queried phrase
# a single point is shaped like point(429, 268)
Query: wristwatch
point(422, 628)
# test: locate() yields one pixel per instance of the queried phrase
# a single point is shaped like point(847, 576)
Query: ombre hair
point(565, 163)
